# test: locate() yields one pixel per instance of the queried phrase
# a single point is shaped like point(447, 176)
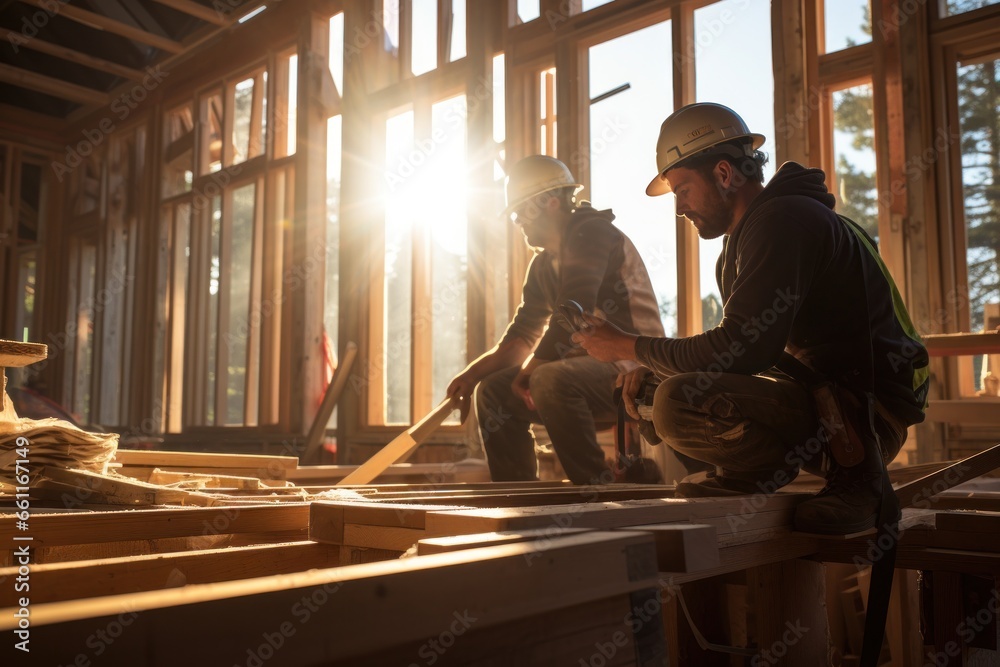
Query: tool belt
point(845, 415)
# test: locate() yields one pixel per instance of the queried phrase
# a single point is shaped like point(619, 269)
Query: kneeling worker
point(810, 313)
point(535, 374)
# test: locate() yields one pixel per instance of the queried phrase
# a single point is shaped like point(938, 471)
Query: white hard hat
point(534, 175)
point(692, 130)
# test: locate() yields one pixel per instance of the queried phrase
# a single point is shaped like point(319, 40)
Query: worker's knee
point(549, 380)
point(674, 407)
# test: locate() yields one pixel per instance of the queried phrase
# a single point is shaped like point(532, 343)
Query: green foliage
point(711, 312)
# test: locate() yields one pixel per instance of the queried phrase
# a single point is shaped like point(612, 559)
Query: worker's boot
point(848, 504)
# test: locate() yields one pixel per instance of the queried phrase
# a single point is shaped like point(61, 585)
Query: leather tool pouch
point(834, 407)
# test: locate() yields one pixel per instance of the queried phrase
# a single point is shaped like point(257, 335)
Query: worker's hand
point(630, 383)
point(521, 388)
point(461, 388)
point(604, 341)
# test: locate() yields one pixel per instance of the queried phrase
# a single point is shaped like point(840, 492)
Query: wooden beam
point(196, 10)
point(135, 457)
point(96, 527)
point(76, 580)
point(977, 410)
point(101, 22)
point(415, 600)
point(71, 55)
point(51, 86)
point(947, 345)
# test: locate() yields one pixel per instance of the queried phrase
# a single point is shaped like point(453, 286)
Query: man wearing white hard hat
point(535, 374)
point(815, 364)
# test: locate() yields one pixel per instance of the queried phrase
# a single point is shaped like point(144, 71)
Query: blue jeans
point(570, 395)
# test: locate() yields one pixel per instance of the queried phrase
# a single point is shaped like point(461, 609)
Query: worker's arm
point(508, 352)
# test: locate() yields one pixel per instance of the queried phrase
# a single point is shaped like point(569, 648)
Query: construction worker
point(535, 374)
point(815, 364)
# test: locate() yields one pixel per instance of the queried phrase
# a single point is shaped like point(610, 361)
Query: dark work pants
point(756, 428)
point(570, 395)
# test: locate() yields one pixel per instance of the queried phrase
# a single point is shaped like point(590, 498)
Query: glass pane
point(751, 94)
point(457, 49)
point(424, 51)
point(241, 263)
point(446, 196)
point(331, 309)
point(213, 308)
point(82, 403)
point(623, 126)
point(528, 10)
point(499, 99)
point(960, 6)
point(547, 119)
point(30, 205)
point(497, 230)
point(854, 157)
point(242, 111)
point(399, 208)
point(337, 50)
point(390, 22)
point(291, 114)
point(26, 270)
point(848, 23)
point(979, 115)
point(211, 132)
point(178, 286)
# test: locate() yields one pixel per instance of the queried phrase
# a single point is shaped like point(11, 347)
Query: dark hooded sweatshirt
point(796, 277)
point(598, 267)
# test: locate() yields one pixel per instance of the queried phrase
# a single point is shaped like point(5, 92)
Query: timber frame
point(109, 218)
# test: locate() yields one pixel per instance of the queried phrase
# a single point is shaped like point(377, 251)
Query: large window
point(628, 101)
point(979, 116)
point(718, 58)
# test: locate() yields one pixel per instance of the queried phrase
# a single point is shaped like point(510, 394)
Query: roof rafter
point(101, 22)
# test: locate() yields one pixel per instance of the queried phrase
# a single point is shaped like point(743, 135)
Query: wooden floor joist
point(315, 614)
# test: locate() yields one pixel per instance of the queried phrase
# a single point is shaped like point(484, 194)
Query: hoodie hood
point(792, 179)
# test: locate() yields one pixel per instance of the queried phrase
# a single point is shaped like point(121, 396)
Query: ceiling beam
point(198, 11)
point(54, 87)
point(101, 22)
point(78, 57)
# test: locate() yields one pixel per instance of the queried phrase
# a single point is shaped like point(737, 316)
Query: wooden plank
point(110, 25)
point(311, 454)
point(213, 481)
point(735, 512)
point(91, 527)
point(382, 537)
point(50, 86)
point(978, 410)
point(114, 576)
point(790, 629)
point(135, 457)
point(957, 344)
point(71, 55)
point(946, 478)
point(402, 445)
point(448, 543)
point(196, 10)
point(414, 600)
point(684, 547)
point(121, 488)
point(270, 473)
